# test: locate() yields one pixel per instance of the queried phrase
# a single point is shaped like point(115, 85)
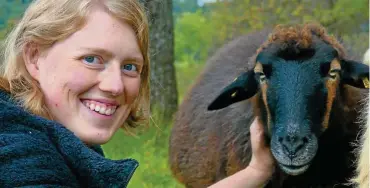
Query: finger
point(257, 139)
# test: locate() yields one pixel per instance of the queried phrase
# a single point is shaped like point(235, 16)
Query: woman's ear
point(31, 54)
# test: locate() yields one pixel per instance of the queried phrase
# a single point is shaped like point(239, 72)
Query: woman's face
point(91, 79)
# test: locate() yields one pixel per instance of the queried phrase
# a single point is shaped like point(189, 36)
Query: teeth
point(100, 108)
point(108, 112)
point(92, 106)
point(113, 110)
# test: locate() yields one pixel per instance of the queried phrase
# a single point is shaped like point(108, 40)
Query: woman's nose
point(112, 80)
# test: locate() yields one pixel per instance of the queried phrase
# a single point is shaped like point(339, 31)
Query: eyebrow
point(99, 51)
point(106, 53)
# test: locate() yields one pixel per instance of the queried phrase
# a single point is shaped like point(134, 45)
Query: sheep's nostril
point(292, 145)
point(299, 147)
point(305, 140)
point(286, 150)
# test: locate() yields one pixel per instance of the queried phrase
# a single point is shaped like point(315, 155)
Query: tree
point(163, 89)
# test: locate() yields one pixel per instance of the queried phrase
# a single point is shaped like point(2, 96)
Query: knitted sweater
point(36, 152)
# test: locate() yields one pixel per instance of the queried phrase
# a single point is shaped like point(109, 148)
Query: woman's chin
point(97, 138)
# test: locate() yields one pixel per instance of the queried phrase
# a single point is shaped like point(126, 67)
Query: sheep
point(361, 178)
point(299, 85)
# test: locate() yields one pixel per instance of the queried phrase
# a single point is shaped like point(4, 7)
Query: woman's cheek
point(80, 81)
point(132, 89)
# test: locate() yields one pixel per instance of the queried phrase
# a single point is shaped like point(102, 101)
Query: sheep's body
point(199, 140)
point(207, 146)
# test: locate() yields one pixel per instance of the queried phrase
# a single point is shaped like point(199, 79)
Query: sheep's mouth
point(294, 170)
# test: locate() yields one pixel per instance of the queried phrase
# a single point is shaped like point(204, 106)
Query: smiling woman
point(74, 73)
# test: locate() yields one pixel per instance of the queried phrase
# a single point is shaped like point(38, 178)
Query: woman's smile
point(100, 108)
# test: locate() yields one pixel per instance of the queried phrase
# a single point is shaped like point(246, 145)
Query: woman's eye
point(130, 67)
point(91, 59)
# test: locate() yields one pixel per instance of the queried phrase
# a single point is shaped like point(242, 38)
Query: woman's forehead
point(103, 32)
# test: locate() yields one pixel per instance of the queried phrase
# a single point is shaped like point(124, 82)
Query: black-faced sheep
point(302, 89)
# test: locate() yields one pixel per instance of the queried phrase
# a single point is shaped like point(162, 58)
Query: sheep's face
point(296, 89)
point(296, 95)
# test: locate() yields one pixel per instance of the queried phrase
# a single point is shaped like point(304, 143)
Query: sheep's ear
point(242, 88)
point(355, 74)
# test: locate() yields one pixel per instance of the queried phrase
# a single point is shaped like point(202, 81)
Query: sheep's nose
point(293, 144)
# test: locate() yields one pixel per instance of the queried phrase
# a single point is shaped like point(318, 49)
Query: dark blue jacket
point(36, 152)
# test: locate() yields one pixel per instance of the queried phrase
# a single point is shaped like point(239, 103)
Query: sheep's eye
point(327, 72)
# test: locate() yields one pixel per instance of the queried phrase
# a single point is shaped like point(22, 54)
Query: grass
point(150, 148)
point(150, 145)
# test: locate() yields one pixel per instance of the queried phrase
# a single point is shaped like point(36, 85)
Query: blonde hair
point(47, 21)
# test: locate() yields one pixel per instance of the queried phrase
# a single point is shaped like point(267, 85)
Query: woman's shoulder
point(15, 120)
point(27, 156)
point(26, 152)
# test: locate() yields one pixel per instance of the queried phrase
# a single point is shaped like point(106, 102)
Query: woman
point(74, 72)
point(83, 64)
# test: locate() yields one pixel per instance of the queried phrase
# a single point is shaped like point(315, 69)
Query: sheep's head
point(298, 73)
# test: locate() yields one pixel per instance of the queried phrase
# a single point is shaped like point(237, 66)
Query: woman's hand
point(262, 162)
point(260, 168)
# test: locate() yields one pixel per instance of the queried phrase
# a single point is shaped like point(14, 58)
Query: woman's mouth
point(100, 108)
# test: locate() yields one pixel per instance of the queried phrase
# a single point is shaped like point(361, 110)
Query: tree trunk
point(163, 89)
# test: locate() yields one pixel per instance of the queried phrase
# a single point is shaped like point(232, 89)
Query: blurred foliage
point(181, 6)
point(193, 36)
point(10, 10)
point(198, 34)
